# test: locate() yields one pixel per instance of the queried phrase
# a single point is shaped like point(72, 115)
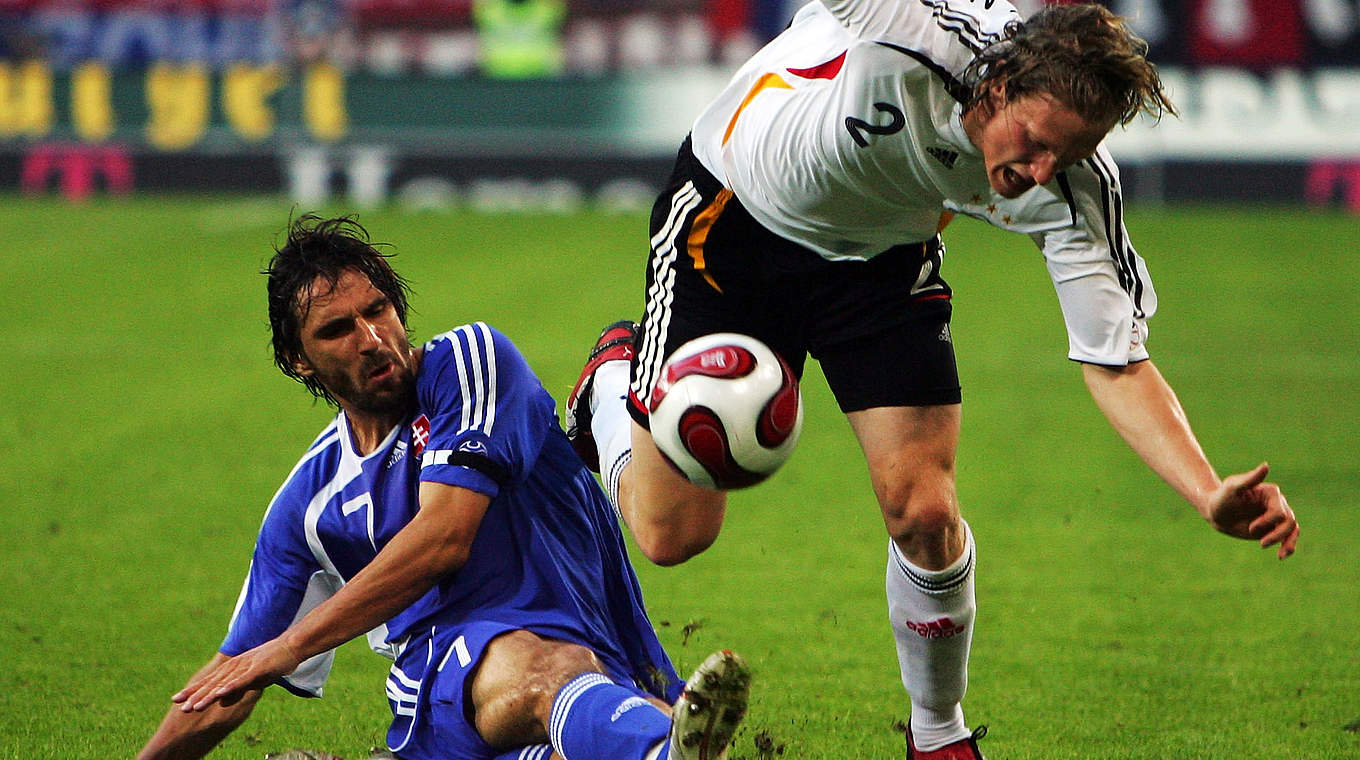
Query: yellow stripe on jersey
point(764, 83)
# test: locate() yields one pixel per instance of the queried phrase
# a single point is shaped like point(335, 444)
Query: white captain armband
point(470, 459)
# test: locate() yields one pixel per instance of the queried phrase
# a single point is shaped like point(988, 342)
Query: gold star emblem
point(1006, 218)
point(991, 208)
point(977, 198)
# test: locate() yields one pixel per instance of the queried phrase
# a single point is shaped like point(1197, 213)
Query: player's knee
point(672, 528)
point(919, 511)
point(562, 662)
point(667, 548)
point(518, 680)
point(556, 663)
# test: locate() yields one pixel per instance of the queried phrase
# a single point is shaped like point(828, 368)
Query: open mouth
point(382, 371)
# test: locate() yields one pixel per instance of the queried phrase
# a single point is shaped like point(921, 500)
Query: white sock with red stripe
point(932, 621)
point(611, 425)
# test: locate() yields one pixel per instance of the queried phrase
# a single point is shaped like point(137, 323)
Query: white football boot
point(711, 707)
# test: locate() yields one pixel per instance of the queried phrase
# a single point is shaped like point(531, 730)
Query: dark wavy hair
point(1083, 55)
point(321, 248)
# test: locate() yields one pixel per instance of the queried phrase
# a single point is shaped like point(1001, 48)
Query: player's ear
point(302, 367)
point(991, 97)
point(996, 95)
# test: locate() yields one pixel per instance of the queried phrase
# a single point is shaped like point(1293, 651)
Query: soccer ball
point(726, 411)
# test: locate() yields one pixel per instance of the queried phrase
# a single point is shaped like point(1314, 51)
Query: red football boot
point(614, 344)
point(963, 749)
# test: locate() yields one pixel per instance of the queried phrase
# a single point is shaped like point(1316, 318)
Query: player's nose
point(1042, 168)
point(368, 335)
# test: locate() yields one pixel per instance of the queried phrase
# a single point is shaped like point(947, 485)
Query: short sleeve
point(1102, 283)
point(488, 413)
point(1103, 287)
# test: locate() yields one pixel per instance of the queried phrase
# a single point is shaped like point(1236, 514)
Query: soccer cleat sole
point(710, 708)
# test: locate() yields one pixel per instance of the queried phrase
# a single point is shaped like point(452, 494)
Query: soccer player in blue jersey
point(444, 514)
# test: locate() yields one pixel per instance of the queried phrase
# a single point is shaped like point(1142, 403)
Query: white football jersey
point(845, 134)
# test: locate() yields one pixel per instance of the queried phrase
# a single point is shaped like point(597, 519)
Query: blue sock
point(531, 752)
point(593, 717)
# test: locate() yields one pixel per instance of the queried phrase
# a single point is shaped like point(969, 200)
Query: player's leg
point(931, 557)
point(529, 690)
point(531, 752)
point(910, 452)
point(671, 519)
point(891, 366)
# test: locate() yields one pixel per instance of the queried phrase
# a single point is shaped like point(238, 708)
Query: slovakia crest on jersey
point(420, 433)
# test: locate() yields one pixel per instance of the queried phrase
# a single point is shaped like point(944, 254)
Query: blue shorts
point(429, 690)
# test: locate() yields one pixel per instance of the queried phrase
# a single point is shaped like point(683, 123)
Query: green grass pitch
point(144, 430)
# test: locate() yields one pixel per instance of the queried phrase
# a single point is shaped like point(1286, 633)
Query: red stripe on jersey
point(827, 70)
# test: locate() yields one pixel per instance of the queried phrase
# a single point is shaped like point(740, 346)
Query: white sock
point(655, 753)
point(611, 425)
point(932, 612)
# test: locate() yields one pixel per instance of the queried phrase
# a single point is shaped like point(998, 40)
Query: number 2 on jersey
point(858, 127)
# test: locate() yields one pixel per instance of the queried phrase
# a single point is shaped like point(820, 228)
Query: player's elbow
point(449, 559)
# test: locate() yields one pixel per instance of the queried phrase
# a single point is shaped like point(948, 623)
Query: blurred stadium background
point(555, 104)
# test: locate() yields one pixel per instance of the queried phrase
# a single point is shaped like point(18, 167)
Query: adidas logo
point(627, 705)
point(944, 156)
point(942, 628)
point(398, 453)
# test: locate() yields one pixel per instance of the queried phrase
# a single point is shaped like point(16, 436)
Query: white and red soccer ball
point(726, 411)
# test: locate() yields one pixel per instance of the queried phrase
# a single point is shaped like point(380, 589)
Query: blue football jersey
point(548, 556)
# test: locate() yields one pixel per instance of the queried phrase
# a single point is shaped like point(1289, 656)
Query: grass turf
point(146, 430)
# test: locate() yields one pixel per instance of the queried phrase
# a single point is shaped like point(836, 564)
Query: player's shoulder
point(983, 20)
point(1093, 183)
point(472, 350)
point(328, 436)
point(1100, 165)
point(471, 340)
point(955, 31)
point(469, 337)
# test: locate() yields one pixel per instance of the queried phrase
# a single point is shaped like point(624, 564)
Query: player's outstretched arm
point(434, 544)
point(1142, 407)
point(189, 736)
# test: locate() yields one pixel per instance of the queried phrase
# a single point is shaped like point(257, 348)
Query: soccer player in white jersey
point(443, 513)
point(805, 210)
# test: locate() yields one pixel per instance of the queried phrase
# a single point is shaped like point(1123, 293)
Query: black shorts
point(879, 327)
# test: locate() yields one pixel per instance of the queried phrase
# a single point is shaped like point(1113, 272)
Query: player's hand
point(230, 680)
point(1245, 506)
